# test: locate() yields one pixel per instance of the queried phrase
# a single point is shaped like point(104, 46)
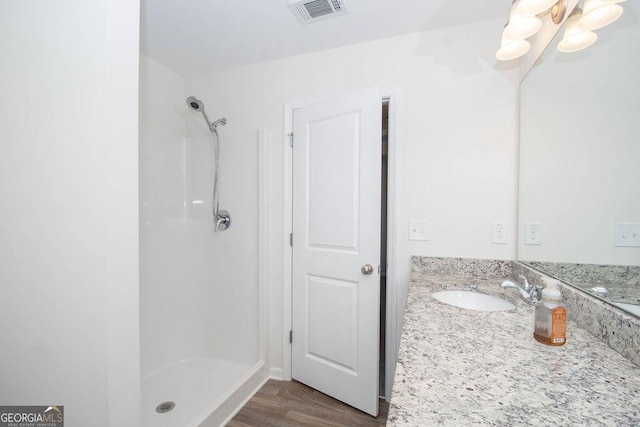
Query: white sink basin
point(473, 300)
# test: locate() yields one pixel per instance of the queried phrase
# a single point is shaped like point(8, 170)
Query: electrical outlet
point(419, 230)
point(532, 233)
point(627, 234)
point(499, 233)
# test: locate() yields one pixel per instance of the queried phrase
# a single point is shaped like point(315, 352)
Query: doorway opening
point(379, 213)
point(383, 241)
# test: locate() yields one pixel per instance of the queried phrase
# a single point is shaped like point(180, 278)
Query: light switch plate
point(627, 234)
point(419, 230)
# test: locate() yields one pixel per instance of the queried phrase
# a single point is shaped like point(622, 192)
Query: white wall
point(68, 208)
point(457, 140)
point(580, 150)
point(162, 194)
point(198, 288)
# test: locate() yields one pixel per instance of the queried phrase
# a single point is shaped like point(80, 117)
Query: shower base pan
point(197, 392)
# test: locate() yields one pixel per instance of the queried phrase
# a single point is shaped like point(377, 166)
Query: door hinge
point(290, 135)
point(290, 239)
point(290, 337)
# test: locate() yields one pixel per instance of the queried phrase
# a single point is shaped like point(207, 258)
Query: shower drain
point(165, 407)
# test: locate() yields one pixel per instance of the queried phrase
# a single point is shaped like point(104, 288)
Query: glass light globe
point(521, 27)
point(599, 13)
point(512, 49)
point(575, 38)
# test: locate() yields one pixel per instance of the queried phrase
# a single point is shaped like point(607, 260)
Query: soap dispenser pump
point(550, 316)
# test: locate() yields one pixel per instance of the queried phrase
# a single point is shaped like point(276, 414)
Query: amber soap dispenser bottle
point(551, 317)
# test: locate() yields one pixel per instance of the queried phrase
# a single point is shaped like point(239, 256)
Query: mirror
point(580, 164)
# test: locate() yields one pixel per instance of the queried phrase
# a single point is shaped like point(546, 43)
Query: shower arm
point(211, 127)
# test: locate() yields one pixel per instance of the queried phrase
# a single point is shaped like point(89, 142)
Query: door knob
point(366, 269)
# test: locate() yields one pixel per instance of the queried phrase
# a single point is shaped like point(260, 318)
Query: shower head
point(195, 104)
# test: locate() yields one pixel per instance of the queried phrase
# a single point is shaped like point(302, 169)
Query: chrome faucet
point(529, 293)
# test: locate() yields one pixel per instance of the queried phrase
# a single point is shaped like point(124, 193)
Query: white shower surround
point(200, 292)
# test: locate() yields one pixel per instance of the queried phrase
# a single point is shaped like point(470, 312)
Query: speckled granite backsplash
point(618, 329)
point(590, 273)
point(622, 281)
point(473, 267)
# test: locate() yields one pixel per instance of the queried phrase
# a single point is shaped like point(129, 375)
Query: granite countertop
point(461, 367)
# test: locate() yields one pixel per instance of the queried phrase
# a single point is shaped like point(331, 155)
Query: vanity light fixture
point(596, 14)
point(524, 22)
point(575, 38)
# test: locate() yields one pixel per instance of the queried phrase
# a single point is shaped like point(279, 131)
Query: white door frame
point(391, 94)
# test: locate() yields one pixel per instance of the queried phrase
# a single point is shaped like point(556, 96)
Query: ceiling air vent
point(308, 11)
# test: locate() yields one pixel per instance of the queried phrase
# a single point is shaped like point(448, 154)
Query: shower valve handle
point(223, 220)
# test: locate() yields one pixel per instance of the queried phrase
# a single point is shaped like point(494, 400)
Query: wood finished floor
point(290, 403)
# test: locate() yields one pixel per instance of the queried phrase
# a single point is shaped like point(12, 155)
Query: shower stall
point(200, 299)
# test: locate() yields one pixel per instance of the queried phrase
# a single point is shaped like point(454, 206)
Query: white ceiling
point(196, 36)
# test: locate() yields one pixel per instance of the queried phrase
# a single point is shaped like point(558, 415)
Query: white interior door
point(336, 235)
